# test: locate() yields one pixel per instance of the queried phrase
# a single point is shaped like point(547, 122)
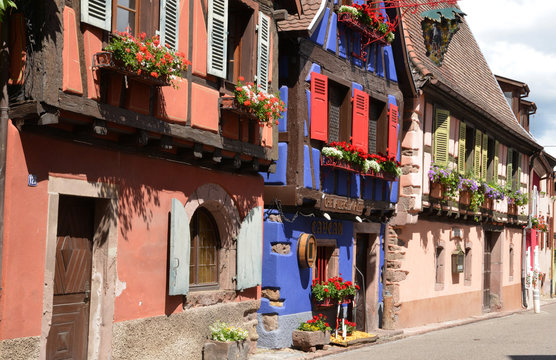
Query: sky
point(518, 40)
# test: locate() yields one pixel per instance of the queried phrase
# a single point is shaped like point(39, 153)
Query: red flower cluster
point(334, 288)
point(362, 154)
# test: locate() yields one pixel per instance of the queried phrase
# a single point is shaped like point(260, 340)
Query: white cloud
point(517, 39)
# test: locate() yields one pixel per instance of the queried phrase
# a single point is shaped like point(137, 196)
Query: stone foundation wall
point(275, 332)
point(21, 349)
point(180, 336)
point(395, 252)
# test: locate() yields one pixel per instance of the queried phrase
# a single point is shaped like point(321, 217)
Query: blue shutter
point(250, 250)
point(97, 13)
point(180, 244)
point(169, 22)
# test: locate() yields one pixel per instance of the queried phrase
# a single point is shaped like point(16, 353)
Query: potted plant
point(515, 199)
point(444, 182)
point(312, 334)
point(350, 327)
point(492, 191)
point(142, 59)
point(249, 98)
point(322, 294)
point(226, 342)
point(367, 20)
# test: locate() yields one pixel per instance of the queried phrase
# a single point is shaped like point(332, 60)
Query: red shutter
point(360, 124)
point(393, 131)
point(319, 107)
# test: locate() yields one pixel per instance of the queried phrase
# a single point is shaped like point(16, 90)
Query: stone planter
point(310, 340)
point(218, 350)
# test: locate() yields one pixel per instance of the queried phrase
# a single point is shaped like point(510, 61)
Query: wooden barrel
point(306, 250)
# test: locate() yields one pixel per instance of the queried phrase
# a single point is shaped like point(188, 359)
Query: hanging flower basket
point(230, 103)
point(268, 108)
point(368, 35)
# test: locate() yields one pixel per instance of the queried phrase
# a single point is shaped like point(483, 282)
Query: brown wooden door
point(361, 260)
point(69, 330)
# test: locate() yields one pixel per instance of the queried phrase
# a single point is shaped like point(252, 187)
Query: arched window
point(205, 243)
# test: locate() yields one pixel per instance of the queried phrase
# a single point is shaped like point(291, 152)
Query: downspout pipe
point(4, 118)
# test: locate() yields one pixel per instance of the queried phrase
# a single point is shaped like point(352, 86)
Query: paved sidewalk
point(384, 336)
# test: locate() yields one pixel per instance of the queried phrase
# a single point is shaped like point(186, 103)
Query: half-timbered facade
point(133, 209)
point(341, 86)
point(456, 254)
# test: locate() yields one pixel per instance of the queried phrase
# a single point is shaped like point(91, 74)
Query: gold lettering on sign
point(336, 203)
point(323, 227)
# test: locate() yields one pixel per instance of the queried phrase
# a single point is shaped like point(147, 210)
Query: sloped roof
point(464, 71)
point(312, 9)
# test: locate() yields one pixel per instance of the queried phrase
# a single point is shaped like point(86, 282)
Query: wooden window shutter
point(517, 177)
point(319, 107)
point(509, 165)
point(441, 136)
point(484, 166)
point(250, 250)
point(97, 13)
point(461, 147)
point(478, 154)
point(217, 45)
point(360, 121)
point(392, 150)
point(263, 52)
point(180, 248)
point(169, 23)
point(496, 161)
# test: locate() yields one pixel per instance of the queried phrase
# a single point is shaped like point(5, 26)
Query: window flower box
point(438, 191)
point(230, 103)
point(512, 208)
point(145, 60)
point(368, 35)
point(267, 108)
point(488, 204)
point(104, 61)
point(465, 197)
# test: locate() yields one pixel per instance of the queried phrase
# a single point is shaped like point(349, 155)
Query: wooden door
point(361, 260)
point(487, 271)
point(69, 330)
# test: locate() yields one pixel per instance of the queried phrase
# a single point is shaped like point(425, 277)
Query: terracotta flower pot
point(437, 190)
point(310, 340)
point(465, 197)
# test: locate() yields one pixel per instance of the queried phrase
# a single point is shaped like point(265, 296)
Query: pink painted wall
point(146, 187)
point(420, 259)
point(70, 54)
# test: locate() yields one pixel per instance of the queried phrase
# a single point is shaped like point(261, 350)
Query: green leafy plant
point(220, 331)
point(447, 177)
point(6, 5)
point(516, 197)
point(317, 323)
point(371, 17)
point(147, 56)
point(267, 107)
point(350, 326)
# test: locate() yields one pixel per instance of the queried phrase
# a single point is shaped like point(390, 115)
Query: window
point(205, 243)
point(439, 263)
point(468, 265)
point(239, 41)
point(378, 124)
point(339, 126)
point(511, 261)
point(326, 263)
point(509, 98)
point(136, 15)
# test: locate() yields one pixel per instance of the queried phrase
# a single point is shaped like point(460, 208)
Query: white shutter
point(250, 250)
point(180, 249)
point(97, 13)
point(169, 22)
point(217, 37)
point(263, 51)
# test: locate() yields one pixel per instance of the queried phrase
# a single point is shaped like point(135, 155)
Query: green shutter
point(496, 161)
point(477, 154)
point(180, 249)
point(461, 156)
point(517, 177)
point(484, 166)
point(250, 250)
point(441, 137)
point(509, 166)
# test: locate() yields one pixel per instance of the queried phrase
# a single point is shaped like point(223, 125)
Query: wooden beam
point(109, 113)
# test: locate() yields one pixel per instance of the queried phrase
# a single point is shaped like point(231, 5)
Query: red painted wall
point(146, 187)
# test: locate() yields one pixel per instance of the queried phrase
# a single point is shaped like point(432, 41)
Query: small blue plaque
point(32, 180)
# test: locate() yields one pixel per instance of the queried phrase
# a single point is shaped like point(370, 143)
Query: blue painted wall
point(283, 271)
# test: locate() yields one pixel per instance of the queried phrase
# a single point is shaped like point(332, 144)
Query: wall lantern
point(439, 26)
point(306, 250)
point(457, 260)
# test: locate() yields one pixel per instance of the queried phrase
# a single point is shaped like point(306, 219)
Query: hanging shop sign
point(439, 26)
point(342, 204)
point(306, 250)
